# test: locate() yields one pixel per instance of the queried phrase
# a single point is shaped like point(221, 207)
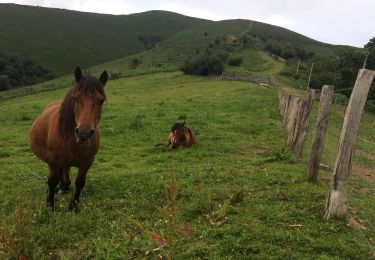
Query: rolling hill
point(61, 39)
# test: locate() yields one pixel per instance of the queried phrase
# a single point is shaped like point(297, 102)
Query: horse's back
point(191, 139)
point(42, 128)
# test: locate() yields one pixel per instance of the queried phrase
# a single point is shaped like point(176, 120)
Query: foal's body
point(180, 136)
point(66, 134)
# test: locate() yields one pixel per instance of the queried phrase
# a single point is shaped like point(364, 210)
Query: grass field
point(233, 195)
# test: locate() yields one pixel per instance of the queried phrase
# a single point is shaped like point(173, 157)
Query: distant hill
point(60, 39)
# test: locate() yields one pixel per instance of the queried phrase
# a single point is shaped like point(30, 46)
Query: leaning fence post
point(319, 134)
point(336, 202)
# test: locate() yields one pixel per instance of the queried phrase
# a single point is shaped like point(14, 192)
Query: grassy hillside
point(237, 195)
point(60, 39)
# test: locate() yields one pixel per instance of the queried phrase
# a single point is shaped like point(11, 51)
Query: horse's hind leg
point(64, 180)
point(53, 180)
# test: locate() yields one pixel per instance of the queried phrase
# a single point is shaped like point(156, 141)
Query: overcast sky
point(348, 22)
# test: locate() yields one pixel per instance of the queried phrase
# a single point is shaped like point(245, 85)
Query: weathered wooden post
point(336, 202)
point(319, 134)
point(293, 113)
point(288, 104)
point(302, 127)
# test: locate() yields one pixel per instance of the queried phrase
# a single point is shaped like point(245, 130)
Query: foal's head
point(82, 107)
point(178, 135)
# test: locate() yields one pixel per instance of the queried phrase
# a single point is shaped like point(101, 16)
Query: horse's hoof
point(73, 205)
point(51, 206)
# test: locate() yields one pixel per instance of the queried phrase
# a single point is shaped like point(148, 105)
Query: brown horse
point(67, 134)
point(180, 136)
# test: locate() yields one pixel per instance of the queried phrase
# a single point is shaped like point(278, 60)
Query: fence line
point(254, 79)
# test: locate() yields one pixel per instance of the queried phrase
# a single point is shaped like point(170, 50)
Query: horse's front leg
point(80, 182)
point(53, 180)
point(64, 180)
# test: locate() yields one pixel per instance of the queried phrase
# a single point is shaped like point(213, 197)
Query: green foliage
point(235, 61)
point(134, 63)
point(149, 42)
point(205, 65)
point(4, 82)
point(286, 51)
point(370, 48)
point(15, 72)
point(339, 70)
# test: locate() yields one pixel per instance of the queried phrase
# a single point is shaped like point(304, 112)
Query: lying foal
point(180, 136)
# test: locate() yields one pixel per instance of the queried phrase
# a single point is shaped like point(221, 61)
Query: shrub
point(4, 82)
point(204, 65)
point(235, 61)
point(134, 63)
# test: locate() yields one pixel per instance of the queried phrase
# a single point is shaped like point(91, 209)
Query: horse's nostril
point(91, 132)
point(76, 131)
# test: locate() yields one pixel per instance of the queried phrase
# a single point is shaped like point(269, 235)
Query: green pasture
point(233, 195)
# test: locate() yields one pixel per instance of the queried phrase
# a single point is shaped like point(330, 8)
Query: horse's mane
point(87, 86)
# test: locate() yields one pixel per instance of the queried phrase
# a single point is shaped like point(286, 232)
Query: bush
point(4, 82)
point(204, 65)
point(134, 63)
point(17, 71)
point(235, 61)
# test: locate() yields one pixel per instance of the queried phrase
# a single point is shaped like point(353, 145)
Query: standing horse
point(180, 136)
point(67, 134)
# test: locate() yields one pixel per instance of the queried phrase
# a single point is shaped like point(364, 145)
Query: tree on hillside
point(17, 71)
point(4, 82)
point(370, 47)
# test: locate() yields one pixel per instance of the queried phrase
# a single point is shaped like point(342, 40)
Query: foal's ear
point(103, 78)
point(78, 74)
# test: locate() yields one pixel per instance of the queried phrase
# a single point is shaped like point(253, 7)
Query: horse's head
point(178, 135)
point(88, 97)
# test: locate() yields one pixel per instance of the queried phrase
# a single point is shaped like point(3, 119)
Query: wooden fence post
point(302, 126)
point(336, 202)
point(319, 134)
point(288, 104)
point(291, 125)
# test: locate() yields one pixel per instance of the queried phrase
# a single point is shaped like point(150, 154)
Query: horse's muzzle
point(84, 135)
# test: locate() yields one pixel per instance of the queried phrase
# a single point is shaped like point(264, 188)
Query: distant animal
point(180, 136)
point(66, 134)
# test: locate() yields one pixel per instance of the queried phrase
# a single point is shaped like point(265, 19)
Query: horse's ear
point(103, 78)
point(78, 74)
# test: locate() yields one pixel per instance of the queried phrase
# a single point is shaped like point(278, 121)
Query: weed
point(16, 242)
point(282, 154)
